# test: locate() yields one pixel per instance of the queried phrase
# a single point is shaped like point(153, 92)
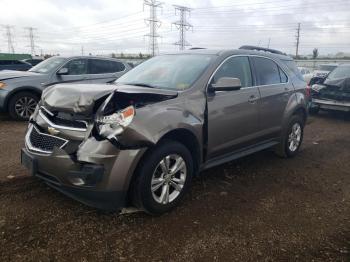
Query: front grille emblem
point(53, 131)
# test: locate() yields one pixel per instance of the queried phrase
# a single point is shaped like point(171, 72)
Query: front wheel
point(163, 178)
point(22, 105)
point(292, 137)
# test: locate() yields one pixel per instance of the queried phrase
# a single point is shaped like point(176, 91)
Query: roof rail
point(251, 47)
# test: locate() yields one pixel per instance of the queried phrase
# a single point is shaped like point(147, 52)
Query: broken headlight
point(112, 125)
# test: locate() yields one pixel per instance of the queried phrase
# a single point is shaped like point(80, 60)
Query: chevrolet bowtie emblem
point(53, 131)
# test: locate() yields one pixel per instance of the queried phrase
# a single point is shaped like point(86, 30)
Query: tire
point(151, 169)
point(314, 110)
point(285, 149)
point(27, 100)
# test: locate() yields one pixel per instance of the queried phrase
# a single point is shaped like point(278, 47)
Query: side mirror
point(227, 84)
point(62, 71)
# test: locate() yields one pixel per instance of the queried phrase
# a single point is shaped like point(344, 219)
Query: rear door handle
point(252, 99)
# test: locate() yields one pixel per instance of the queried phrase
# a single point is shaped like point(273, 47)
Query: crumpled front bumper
point(98, 174)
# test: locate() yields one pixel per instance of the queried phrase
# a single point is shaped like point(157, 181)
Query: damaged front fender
point(155, 115)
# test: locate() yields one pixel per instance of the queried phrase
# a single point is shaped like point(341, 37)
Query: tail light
point(308, 91)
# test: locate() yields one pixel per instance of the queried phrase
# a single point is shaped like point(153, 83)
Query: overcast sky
point(106, 26)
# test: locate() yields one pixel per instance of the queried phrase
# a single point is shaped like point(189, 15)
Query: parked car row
point(17, 65)
point(141, 139)
point(21, 91)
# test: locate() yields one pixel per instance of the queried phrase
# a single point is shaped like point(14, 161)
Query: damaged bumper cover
point(332, 95)
point(99, 174)
point(80, 162)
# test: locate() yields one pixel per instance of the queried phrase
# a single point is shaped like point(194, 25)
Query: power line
point(182, 25)
point(9, 37)
point(154, 24)
point(297, 41)
point(31, 39)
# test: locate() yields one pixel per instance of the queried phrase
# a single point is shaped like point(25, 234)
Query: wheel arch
point(180, 135)
point(16, 91)
point(190, 141)
point(302, 112)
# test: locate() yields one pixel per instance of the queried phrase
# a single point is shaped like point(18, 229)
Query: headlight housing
point(114, 124)
point(2, 85)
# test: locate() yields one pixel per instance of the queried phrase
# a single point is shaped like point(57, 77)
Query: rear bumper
point(331, 105)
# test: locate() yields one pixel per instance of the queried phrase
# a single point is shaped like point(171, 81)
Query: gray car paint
point(221, 123)
point(17, 81)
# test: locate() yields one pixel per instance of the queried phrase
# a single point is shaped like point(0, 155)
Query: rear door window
point(97, 66)
point(283, 76)
point(117, 66)
point(267, 71)
point(293, 67)
point(236, 67)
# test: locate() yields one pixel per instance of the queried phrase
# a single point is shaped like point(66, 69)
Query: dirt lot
point(257, 208)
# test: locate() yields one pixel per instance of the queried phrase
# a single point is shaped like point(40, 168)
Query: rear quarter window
point(267, 71)
point(293, 68)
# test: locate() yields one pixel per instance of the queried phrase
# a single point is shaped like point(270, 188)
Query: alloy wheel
point(168, 179)
point(25, 106)
point(294, 137)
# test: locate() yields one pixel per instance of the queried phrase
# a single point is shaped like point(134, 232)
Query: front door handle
point(252, 99)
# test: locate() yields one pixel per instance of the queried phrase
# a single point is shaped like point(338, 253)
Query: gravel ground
point(256, 208)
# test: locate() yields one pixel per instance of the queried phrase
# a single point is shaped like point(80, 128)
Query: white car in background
point(306, 73)
point(324, 69)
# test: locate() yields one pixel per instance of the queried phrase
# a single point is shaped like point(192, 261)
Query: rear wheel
point(314, 110)
point(292, 137)
point(22, 105)
point(163, 178)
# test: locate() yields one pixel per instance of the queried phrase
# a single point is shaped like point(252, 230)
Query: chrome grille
point(43, 143)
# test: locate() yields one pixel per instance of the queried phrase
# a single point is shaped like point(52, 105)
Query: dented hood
point(81, 98)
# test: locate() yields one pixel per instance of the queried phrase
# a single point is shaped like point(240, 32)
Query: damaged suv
point(141, 140)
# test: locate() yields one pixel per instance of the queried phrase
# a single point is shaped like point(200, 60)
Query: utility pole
point(9, 37)
point(153, 24)
point(298, 41)
point(182, 25)
point(31, 39)
point(82, 50)
point(268, 45)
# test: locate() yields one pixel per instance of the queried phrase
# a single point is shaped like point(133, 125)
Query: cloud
point(106, 26)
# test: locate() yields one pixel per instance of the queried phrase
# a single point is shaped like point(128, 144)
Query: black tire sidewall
point(12, 102)
point(142, 188)
point(314, 110)
point(293, 120)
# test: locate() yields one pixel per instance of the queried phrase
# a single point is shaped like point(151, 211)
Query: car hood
point(11, 74)
point(82, 98)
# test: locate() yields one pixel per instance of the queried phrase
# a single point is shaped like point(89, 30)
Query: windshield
point(175, 72)
point(326, 67)
point(340, 72)
point(48, 65)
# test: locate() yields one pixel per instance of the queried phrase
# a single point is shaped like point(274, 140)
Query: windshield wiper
point(142, 84)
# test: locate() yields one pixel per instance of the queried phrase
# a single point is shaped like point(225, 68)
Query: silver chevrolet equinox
point(141, 140)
